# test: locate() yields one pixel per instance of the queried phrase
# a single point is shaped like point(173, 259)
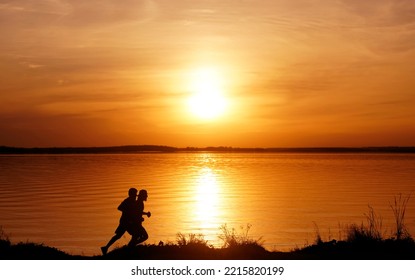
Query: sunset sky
point(242, 73)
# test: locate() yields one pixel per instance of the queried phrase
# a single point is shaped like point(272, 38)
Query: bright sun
point(207, 100)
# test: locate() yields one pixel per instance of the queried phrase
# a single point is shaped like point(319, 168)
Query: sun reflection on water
point(207, 199)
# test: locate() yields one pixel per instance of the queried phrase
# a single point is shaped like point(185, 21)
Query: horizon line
point(171, 149)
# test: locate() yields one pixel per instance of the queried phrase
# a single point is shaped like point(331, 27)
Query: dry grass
point(191, 240)
point(4, 238)
point(232, 237)
point(372, 231)
point(399, 210)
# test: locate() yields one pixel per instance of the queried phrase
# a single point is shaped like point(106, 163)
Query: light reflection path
point(207, 204)
point(207, 199)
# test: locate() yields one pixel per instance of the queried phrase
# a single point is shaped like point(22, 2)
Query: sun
point(207, 100)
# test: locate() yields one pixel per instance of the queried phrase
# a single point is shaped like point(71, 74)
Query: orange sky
point(293, 72)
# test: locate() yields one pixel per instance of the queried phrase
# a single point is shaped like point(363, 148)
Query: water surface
point(70, 201)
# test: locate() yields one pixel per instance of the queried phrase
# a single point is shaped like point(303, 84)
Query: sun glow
point(207, 100)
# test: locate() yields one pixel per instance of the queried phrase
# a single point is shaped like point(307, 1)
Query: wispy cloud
point(382, 13)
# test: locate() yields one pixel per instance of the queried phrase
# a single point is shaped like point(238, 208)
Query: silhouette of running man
point(140, 234)
point(131, 219)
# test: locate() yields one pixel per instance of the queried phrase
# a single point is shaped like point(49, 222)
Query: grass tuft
point(4, 239)
point(191, 240)
point(318, 240)
point(372, 231)
point(232, 238)
point(399, 210)
point(366, 233)
point(3, 235)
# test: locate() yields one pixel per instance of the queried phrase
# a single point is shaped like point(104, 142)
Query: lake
point(70, 201)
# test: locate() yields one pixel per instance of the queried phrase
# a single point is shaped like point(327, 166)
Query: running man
point(131, 219)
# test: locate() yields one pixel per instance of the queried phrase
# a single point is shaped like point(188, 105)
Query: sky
point(241, 73)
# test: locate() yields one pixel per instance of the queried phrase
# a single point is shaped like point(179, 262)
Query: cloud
point(385, 27)
point(79, 13)
point(31, 65)
point(108, 12)
point(383, 13)
point(56, 7)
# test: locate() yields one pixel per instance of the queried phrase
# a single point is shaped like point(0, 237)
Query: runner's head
point(143, 195)
point(132, 192)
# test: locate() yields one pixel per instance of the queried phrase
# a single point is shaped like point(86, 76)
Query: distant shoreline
point(131, 149)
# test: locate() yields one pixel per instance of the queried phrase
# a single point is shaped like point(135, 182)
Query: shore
point(389, 249)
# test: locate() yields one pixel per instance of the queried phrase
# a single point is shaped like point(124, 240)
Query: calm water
point(70, 201)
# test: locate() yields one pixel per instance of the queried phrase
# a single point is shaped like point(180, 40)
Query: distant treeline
point(167, 149)
point(88, 150)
